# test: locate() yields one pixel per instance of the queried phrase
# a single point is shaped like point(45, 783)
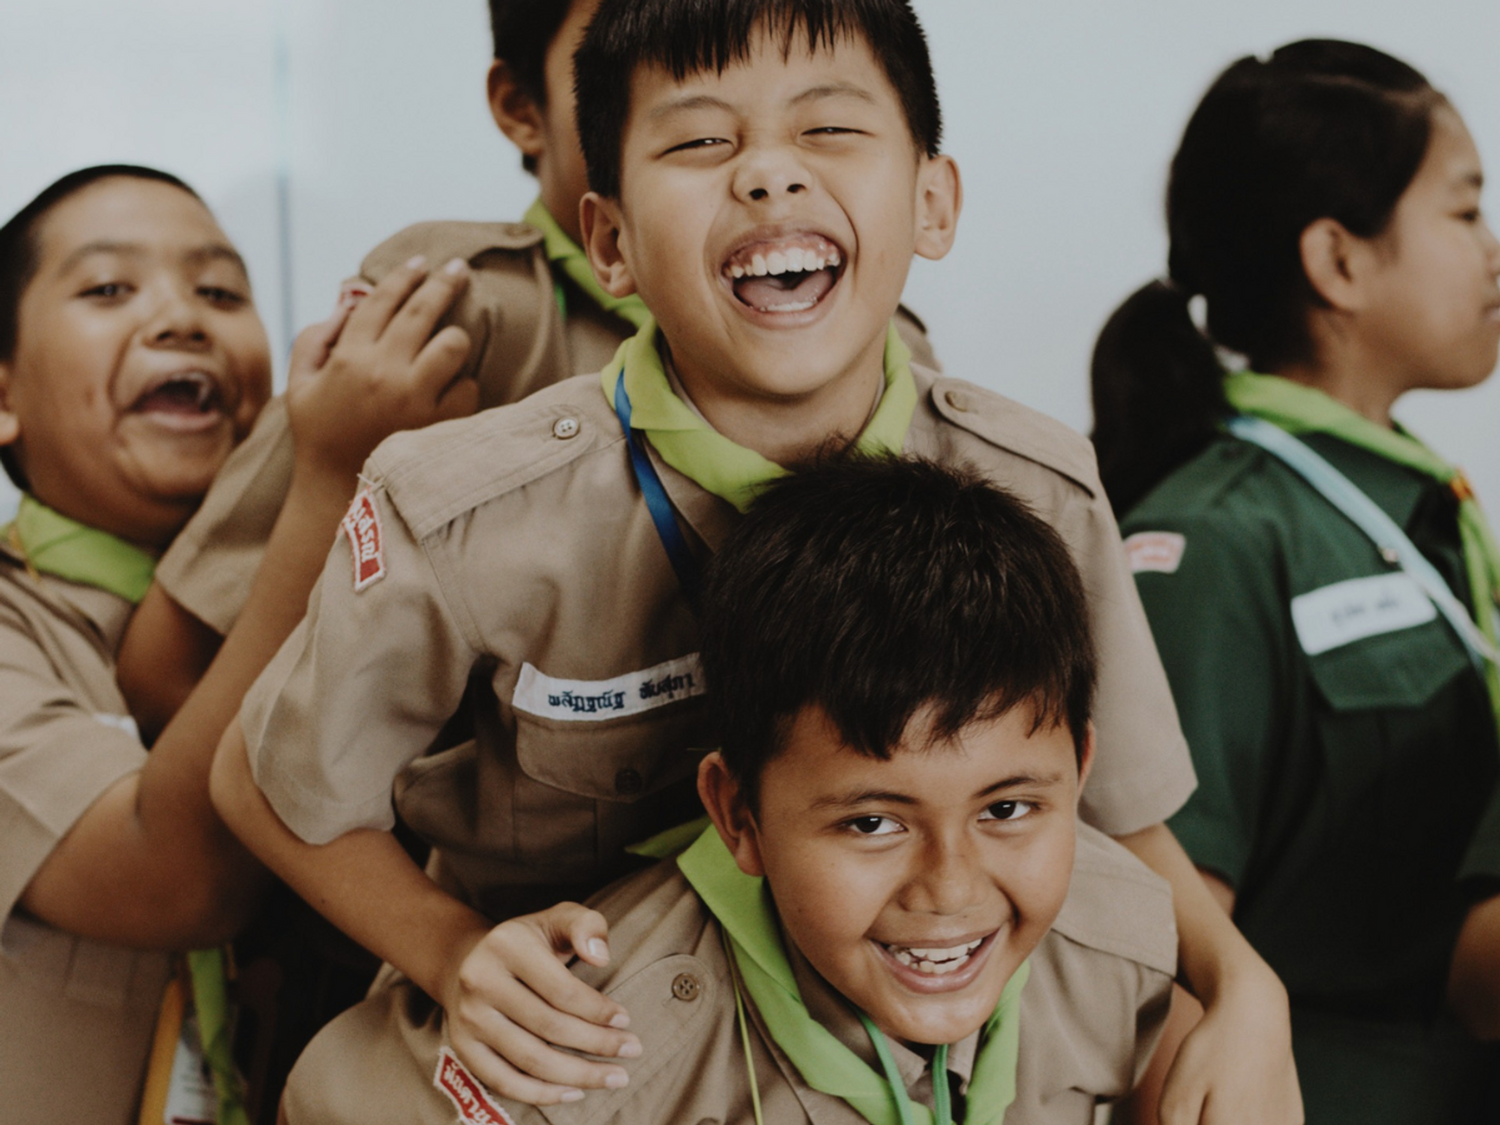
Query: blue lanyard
point(663, 515)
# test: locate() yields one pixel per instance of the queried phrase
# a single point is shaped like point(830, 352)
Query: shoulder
point(1117, 907)
point(1006, 425)
point(436, 474)
point(480, 244)
point(1230, 480)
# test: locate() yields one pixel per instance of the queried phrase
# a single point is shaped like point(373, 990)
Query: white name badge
point(1361, 607)
point(596, 700)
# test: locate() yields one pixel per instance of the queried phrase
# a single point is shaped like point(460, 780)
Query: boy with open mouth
point(539, 565)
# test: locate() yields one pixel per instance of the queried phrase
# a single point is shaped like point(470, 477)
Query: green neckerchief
point(569, 257)
point(743, 908)
point(702, 454)
point(54, 544)
point(1301, 409)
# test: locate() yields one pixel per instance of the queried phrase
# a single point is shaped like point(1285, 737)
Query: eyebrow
point(855, 797)
point(213, 251)
point(690, 102)
point(834, 90)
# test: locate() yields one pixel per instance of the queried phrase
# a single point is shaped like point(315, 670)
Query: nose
point(948, 879)
point(1491, 249)
point(176, 318)
point(769, 173)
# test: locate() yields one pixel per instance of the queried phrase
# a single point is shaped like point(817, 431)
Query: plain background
point(315, 128)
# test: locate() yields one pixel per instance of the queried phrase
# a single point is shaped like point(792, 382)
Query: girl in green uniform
point(1312, 571)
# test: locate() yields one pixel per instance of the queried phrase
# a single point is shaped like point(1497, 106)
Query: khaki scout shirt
point(520, 343)
point(76, 1016)
point(1090, 1016)
point(516, 576)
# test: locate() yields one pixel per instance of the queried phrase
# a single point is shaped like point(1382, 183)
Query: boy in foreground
point(900, 659)
point(763, 174)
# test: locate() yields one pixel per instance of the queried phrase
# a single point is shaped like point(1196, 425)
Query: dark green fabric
point(1337, 793)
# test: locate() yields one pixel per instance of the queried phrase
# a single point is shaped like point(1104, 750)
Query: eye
point(1471, 216)
point(873, 825)
point(217, 294)
point(1008, 810)
point(831, 131)
point(108, 290)
point(698, 144)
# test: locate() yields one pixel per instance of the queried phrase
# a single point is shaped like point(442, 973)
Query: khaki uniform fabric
point(76, 1016)
point(1090, 1016)
point(520, 343)
point(524, 586)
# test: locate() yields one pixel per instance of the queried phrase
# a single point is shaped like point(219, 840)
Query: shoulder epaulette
point(1118, 905)
point(442, 241)
point(1018, 429)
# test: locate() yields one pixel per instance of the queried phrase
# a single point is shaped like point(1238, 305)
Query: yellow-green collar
point(569, 257)
point(51, 543)
point(702, 454)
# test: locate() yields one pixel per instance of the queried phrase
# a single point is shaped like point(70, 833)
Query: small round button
point(565, 428)
point(686, 987)
point(958, 400)
point(628, 783)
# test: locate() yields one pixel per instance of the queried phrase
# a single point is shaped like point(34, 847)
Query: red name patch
point(1158, 551)
point(468, 1096)
point(362, 525)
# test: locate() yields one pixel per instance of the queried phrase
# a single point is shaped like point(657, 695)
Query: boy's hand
point(512, 1003)
point(375, 367)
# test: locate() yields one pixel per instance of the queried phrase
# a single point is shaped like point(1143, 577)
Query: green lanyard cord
point(942, 1100)
point(739, 1009)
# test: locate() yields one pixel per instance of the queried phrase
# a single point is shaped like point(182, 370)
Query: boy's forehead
point(130, 219)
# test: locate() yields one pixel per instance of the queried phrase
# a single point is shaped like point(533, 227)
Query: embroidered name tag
point(362, 524)
point(467, 1093)
point(1159, 551)
point(596, 700)
point(1359, 608)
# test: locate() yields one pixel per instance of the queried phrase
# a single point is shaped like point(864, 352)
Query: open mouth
point(934, 962)
point(785, 275)
point(186, 395)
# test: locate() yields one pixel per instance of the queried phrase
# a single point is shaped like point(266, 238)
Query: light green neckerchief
point(1300, 409)
point(743, 909)
point(569, 257)
point(52, 543)
point(699, 452)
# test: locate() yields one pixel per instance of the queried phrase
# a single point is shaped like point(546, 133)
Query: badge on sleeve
point(1157, 551)
point(467, 1093)
point(362, 525)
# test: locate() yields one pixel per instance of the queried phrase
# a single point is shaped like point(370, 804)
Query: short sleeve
point(363, 685)
point(1210, 592)
point(57, 756)
point(211, 565)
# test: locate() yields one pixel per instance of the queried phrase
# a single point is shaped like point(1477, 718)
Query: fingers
point(410, 325)
point(536, 1040)
point(508, 1082)
point(585, 934)
point(314, 344)
point(375, 310)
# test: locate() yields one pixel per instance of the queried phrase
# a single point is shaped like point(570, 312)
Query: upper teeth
point(777, 262)
point(934, 960)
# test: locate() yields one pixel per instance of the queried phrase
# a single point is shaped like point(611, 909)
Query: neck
point(788, 428)
point(1353, 385)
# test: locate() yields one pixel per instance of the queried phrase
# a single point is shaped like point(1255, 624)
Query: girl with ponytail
point(1322, 585)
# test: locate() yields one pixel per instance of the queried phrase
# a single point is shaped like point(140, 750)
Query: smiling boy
point(895, 808)
point(540, 563)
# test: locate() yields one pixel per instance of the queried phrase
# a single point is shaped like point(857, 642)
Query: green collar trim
point(743, 907)
point(54, 544)
point(569, 257)
point(702, 454)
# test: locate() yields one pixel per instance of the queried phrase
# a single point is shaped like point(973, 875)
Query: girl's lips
point(930, 983)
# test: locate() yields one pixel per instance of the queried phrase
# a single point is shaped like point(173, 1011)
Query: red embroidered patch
point(362, 525)
point(468, 1095)
point(1159, 551)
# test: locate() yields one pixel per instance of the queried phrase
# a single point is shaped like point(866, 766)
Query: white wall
point(355, 117)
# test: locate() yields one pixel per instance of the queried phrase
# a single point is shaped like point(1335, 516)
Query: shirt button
point(628, 783)
point(564, 428)
point(958, 400)
point(686, 987)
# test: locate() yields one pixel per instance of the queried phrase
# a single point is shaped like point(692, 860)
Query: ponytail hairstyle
point(1321, 129)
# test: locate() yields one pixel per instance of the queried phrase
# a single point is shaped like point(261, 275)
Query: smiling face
point(1433, 302)
point(139, 361)
point(915, 886)
point(768, 215)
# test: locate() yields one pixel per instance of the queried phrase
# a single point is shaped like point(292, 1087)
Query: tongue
point(777, 291)
point(173, 398)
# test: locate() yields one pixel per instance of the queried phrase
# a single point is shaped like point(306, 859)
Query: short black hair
point(692, 36)
point(523, 30)
point(18, 254)
point(875, 587)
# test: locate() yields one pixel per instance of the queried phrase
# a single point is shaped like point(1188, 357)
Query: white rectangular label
point(597, 700)
point(1359, 608)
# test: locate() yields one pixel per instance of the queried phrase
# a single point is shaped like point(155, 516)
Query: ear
point(10, 424)
point(724, 800)
point(1337, 263)
point(1086, 756)
point(601, 221)
point(513, 109)
point(940, 198)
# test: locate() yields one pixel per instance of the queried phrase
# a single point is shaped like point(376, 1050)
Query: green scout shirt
point(1338, 792)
